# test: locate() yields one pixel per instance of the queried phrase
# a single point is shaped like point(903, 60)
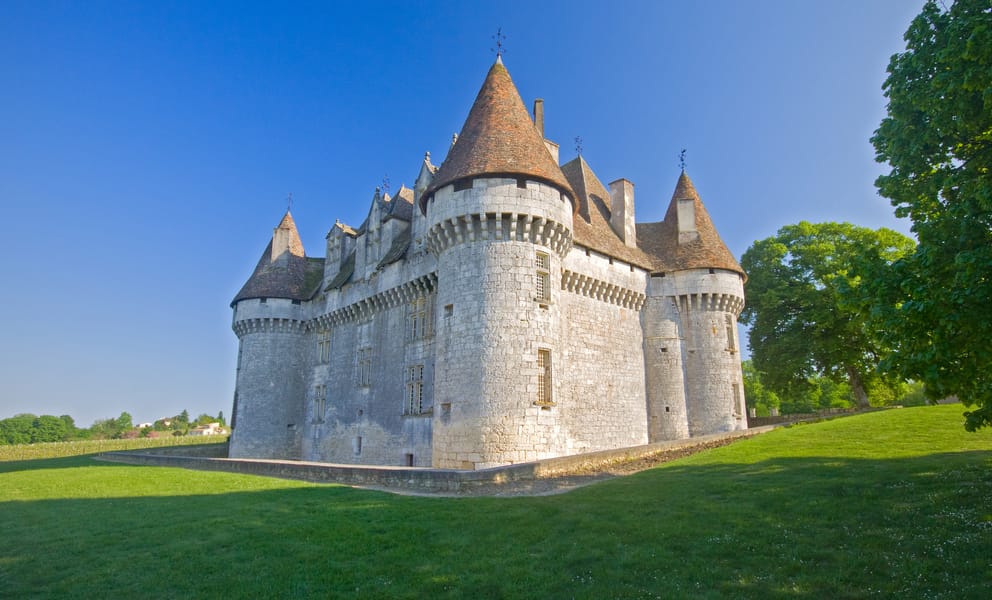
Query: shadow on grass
point(782, 528)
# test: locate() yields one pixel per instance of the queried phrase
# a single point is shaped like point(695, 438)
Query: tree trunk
point(857, 388)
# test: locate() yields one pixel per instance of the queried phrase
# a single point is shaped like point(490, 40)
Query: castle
point(504, 310)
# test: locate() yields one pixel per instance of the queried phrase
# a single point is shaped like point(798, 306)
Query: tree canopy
point(805, 313)
point(933, 306)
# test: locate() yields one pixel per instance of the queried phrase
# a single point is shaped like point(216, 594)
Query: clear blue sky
point(147, 149)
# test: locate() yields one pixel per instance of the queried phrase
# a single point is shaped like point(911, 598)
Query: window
point(418, 321)
point(544, 386)
point(731, 338)
point(542, 263)
point(319, 403)
point(738, 409)
point(414, 390)
point(324, 345)
point(363, 370)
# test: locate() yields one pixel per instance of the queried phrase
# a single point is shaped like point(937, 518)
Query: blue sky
point(147, 149)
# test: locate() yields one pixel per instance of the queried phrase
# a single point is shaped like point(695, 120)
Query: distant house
point(143, 425)
point(210, 429)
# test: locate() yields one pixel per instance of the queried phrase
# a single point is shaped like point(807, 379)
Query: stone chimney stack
point(539, 115)
point(622, 211)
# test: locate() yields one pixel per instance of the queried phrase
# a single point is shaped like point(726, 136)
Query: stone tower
point(499, 218)
point(270, 322)
point(692, 352)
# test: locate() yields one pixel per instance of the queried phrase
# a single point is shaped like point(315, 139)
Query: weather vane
point(289, 202)
point(385, 183)
point(498, 38)
point(682, 159)
point(578, 145)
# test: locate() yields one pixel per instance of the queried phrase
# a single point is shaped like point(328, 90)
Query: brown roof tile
point(498, 138)
point(661, 240)
point(591, 222)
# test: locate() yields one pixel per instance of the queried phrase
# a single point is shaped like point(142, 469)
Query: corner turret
point(270, 322)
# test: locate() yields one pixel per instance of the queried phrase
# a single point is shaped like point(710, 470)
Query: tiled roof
point(591, 222)
point(292, 277)
point(498, 138)
point(661, 240)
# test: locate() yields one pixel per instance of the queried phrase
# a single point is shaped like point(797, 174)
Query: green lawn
point(886, 504)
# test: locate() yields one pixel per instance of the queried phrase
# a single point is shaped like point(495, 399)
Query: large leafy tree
point(804, 307)
point(935, 306)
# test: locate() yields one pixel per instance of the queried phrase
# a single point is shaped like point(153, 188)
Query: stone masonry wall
point(708, 304)
point(270, 387)
point(491, 323)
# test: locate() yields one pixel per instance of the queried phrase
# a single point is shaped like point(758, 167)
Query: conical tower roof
point(498, 138)
point(705, 250)
point(283, 271)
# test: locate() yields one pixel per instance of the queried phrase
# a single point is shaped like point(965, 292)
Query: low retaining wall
point(416, 479)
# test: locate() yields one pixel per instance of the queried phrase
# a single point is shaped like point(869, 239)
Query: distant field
point(81, 447)
point(885, 504)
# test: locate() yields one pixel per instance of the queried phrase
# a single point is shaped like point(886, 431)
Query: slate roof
point(591, 221)
point(397, 249)
point(498, 138)
point(661, 240)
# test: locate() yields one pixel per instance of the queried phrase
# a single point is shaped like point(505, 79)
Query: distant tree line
point(27, 428)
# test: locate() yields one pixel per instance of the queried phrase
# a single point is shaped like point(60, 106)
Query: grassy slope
point(891, 503)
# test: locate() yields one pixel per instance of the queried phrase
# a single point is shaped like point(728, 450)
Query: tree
point(756, 394)
point(933, 306)
point(70, 427)
point(806, 314)
point(124, 423)
point(47, 428)
point(17, 429)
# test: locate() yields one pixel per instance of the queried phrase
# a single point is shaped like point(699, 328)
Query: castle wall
point(271, 379)
point(367, 382)
point(493, 329)
point(664, 375)
point(366, 420)
point(603, 395)
point(708, 303)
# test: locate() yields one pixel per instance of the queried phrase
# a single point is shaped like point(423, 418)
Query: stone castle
point(506, 309)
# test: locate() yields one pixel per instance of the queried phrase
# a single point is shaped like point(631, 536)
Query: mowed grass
point(886, 504)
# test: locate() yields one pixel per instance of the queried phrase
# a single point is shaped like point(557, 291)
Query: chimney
point(622, 211)
point(539, 115)
point(686, 214)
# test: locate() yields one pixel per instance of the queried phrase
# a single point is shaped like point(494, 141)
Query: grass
point(885, 504)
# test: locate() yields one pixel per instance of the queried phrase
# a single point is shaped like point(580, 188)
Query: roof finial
point(385, 183)
point(578, 145)
point(289, 202)
point(499, 49)
point(682, 160)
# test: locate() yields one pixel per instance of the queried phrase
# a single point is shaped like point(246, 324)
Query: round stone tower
point(499, 219)
point(269, 320)
point(691, 317)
